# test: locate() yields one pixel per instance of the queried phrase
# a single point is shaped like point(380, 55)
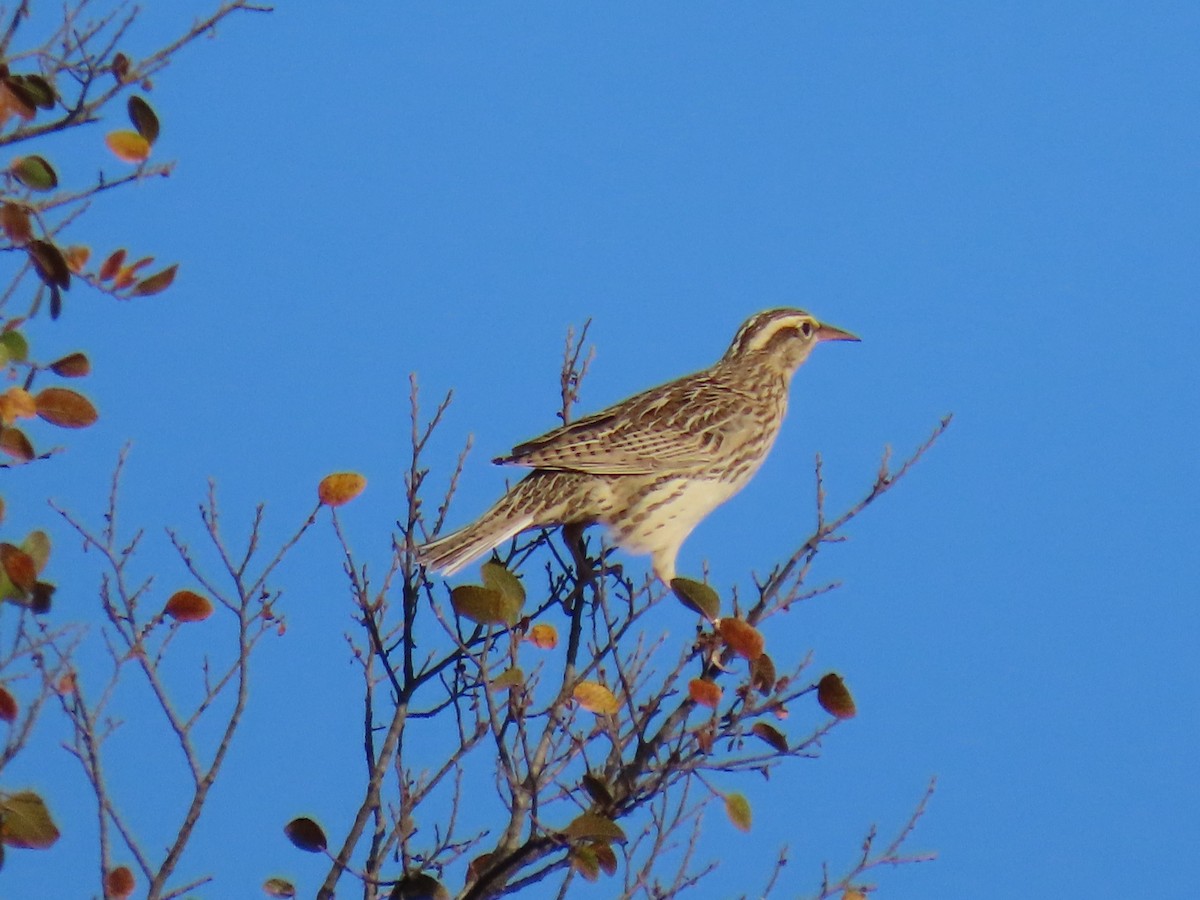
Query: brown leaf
point(340, 488)
point(705, 693)
point(419, 886)
point(593, 826)
point(280, 888)
point(120, 67)
point(188, 606)
point(65, 408)
point(306, 834)
point(156, 283)
point(50, 264)
point(741, 637)
point(597, 790)
point(15, 444)
point(19, 566)
point(606, 857)
point(119, 882)
point(762, 675)
point(585, 862)
point(73, 365)
point(14, 219)
point(143, 118)
point(834, 697)
point(771, 735)
point(8, 705)
point(111, 266)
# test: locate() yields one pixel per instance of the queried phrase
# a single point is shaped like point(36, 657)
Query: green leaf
point(37, 545)
point(484, 606)
point(25, 822)
point(510, 678)
point(498, 578)
point(737, 807)
point(35, 173)
point(697, 596)
point(13, 347)
point(591, 826)
point(143, 118)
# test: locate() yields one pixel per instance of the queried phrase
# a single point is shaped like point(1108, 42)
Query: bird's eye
point(807, 329)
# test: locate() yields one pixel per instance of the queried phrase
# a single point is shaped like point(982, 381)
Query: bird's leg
point(585, 574)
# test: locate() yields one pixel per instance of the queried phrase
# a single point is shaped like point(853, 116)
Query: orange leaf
point(705, 693)
point(111, 266)
point(14, 220)
point(119, 882)
point(128, 146)
point(77, 257)
point(742, 638)
point(596, 698)
point(188, 606)
point(8, 705)
point(340, 488)
point(156, 283)
point(834, 697)
point(543, 636)
point(65, 408)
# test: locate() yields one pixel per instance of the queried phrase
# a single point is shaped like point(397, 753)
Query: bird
point(653, 466)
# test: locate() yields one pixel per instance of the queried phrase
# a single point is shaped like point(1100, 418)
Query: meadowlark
point(653, 466)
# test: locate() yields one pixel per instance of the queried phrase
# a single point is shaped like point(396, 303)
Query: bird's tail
point(461, 548)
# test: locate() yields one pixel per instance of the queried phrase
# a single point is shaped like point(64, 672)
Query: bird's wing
point(678, 426)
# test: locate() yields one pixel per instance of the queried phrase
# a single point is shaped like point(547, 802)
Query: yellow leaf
point(484, 606)
point(25, 822)
point(279, 887)
point(510, 678)
point(340, 488)
point(17, 403)
point(593, 826)
point(737, 807)
point(128, 146)
point(596, 698)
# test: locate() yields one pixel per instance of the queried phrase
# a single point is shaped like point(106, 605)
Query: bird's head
point(782, 337)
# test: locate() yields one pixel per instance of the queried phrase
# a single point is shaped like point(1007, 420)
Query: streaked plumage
point(653, 466)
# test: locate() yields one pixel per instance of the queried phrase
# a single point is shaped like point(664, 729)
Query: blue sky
point(1000, 199)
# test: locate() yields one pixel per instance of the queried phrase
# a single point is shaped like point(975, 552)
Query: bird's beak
point(829, 333)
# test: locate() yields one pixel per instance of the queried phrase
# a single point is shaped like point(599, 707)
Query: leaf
point(188, 606)
point(156, 283)
point(77, 257)
point(306, 834)
point(477, 866)
point(498, 578)
point(14, 219)
point(119, 882)
point(597, 790)
point(17, 403)
point(19, 567)
point(340, 488)
point(509, 678)
point(544, 636)
point(705, 693)
point(279, 887)
point(25, 822)
point(741, 637)
point(39, 598)
point(143, 118)
point(65, 408)
point(853, 893)
point(593, 826)
point(484, 606)
point(762, 675)
point(834, 697)
point(606, 857)
point(50, 264)
point(419, 886)
point(128, 146)
point(737, 807)
point(37, 545)
point(596, 698)
point(34, 90)
point(697, 596)
point(771, 735)
point(34, 172)
point(585, 862)
point(73, 365)
point(15, 444)
point(14, 345)
point(111, 266)
point(9, 708)
point(120, 67)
